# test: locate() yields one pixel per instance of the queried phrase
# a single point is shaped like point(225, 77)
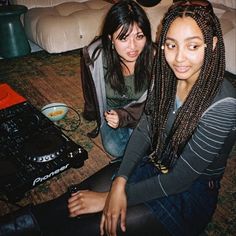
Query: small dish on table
point(55, 111)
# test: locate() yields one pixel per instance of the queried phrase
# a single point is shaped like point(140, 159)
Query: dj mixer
point(32, 148)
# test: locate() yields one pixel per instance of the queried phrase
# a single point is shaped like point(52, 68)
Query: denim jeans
point(114, 140)
point(185, 213)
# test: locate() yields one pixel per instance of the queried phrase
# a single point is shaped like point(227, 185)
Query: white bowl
point(55, 111)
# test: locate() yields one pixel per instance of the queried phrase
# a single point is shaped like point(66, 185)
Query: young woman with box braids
point(163, 94)
point(169, 179)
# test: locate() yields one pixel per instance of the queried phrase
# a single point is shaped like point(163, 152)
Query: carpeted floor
point(43, 78)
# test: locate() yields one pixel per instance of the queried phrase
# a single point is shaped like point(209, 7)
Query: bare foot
point(85, 202)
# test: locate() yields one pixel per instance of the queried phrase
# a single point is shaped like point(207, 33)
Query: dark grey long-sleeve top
point(204, 155)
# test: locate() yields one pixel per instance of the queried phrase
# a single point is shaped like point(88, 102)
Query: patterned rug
point(43, 78)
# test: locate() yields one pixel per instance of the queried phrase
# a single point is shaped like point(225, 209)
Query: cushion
point(66, 26)
point(42, 3)
point(63, 25)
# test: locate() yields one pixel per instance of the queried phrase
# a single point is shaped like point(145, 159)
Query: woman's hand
point(112, 118)
point(85, 202)
point(115, 208)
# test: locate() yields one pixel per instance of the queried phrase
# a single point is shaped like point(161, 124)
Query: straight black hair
point(124, 15)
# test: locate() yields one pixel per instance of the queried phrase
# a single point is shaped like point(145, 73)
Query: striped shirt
point(205, 155)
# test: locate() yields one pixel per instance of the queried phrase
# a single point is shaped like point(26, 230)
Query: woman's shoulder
point(97, 42)
point(224, 103)
point(94, 47)
point(227, 90)
point(226, 94)
point(92, 52)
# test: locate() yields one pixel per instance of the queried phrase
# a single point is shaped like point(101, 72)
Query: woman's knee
point(141, 221)
point(113, 148)
point(114, 140)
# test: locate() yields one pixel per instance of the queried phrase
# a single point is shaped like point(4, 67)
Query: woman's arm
point(89, 93)
point(115, 208)
point(86, 202)
point(116, 202)
point(130, 116)
point(137, 148)
point(202, 151)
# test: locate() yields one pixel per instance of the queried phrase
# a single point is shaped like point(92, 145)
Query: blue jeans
point(114, 140)
point(186, 213)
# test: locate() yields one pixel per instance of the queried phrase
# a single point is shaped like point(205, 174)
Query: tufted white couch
point(226, 12)
point(60, 25)
point(63, 25)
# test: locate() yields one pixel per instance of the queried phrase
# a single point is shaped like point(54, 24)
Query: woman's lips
point(132, 54)
point(181, 69)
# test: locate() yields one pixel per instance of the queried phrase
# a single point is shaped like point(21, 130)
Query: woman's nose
point(180, 55)
point(132, 44)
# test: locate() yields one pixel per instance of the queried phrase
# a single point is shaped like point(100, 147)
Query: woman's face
point(129, 47)
point(184, 49)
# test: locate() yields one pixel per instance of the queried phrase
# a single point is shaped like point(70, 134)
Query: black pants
point(53, 217)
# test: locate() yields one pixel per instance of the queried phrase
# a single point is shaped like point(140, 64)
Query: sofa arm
point(42, 3)
point(66, 26)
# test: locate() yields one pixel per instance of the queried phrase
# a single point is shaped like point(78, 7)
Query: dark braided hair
point(166, 148)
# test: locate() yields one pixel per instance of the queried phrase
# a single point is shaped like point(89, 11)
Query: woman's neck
point(128, 68)
point(183, 89)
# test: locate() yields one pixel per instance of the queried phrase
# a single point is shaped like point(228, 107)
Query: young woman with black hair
point(116, 70)
point(169, 179)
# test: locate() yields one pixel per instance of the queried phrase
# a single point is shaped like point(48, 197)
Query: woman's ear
point(110, 38)
point(215, 40)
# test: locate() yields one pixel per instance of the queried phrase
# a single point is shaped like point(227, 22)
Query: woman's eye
point(123, 39)
point(140, 36)
point(193, 47)
point(170, 45)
